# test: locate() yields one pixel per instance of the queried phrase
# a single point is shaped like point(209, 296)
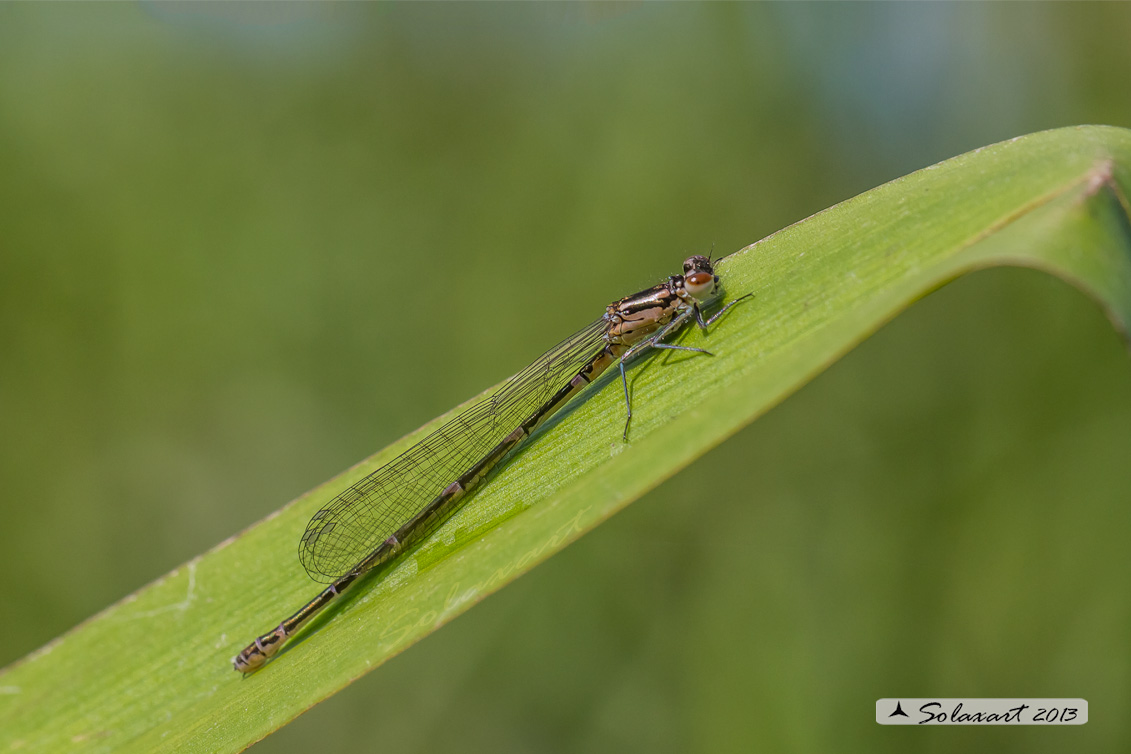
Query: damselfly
point(369, 523)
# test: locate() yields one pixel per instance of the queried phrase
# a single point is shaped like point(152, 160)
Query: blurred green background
point(214, 221)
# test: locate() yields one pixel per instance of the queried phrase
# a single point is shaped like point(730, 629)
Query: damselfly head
point(699, 278)
point(698, 263)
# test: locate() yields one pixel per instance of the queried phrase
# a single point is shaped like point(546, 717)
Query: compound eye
point(700, 284)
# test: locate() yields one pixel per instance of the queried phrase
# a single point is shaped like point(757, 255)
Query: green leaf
point(152, 673)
